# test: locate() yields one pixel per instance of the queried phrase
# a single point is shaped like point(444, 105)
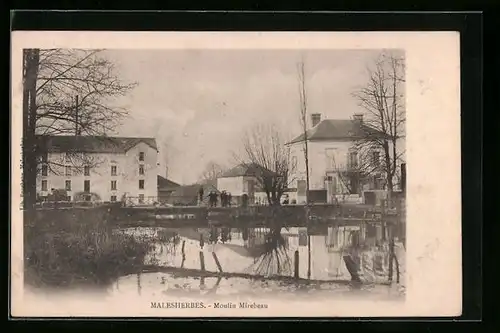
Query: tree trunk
point(29, 149)
point(390, 188)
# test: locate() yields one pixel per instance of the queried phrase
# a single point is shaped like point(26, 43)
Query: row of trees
point(66, 92)
point(378, 149)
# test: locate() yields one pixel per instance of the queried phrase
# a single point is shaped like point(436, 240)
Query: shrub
point(87, 252)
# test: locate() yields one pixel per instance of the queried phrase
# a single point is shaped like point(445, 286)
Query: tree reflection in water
point(271, 257)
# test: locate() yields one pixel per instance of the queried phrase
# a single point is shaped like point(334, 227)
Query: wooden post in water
point(139, 284)
point(391, 258)
point(202, 283)
point(296, 265)
point(217, 262)
point(202, 261)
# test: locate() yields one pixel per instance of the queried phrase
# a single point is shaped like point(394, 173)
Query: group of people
point(213, 198)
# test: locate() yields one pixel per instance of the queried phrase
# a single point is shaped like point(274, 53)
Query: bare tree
point(384, 125)
point(211, 173)
point(66, 92)
point(265, 151)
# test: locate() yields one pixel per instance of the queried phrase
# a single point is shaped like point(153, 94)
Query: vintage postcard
point(221, 174)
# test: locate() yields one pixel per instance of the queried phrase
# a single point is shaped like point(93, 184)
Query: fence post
point(217, 262)
point(296, 265)
point(183, 252)
point(202, 241)
point(202, 261)
point(391, 258)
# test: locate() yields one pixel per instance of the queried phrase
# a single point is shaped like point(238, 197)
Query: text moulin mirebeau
point(201, 305)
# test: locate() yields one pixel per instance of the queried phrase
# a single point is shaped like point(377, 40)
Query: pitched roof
point(337, 129)
point(244, 169)
point(92, 144)
point(166, 183)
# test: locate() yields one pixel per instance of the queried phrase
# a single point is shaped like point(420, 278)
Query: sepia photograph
point(215, 178)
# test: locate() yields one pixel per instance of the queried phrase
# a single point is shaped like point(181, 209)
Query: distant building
point(187, 195)
point(243, 179)
point(166, 188)
point(98, 168)
point(332, 155)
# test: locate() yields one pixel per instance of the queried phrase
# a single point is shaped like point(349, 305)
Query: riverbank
point(78, 248)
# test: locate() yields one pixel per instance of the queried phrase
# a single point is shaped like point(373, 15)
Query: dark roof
point(166, 183)
point(337, 129)
point(91, 144)
point(244, 169)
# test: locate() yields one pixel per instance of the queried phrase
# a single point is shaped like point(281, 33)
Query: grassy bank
point(77, 249)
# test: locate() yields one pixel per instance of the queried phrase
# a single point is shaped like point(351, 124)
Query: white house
point(242, 179)
point(332, 153)
point(99, 168)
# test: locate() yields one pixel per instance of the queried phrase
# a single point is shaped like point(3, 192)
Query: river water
point(181, 249)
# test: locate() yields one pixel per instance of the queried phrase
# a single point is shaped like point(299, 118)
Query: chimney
point(315, 119)
point(166, 172)
point(358, 117)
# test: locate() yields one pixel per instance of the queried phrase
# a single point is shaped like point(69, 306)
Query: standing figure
point(223, 198)
point(216, 198)
point(228, 197)
point(213, 199)
point(244, 200)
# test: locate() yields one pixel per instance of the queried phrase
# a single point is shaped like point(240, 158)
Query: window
point(141, 169)
point(86, 185)
point(86, 170)
point(141, 156)
point(88, 197)
point(68, 185)
point(113, 170)
point(68, 198)
point(44, 185)
point(68, 171)
point(141, 184)
point(113, 185)
point(113, 198)
point(141, 198)
point(45, 170)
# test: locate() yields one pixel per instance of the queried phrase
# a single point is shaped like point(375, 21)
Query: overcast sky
point(198, 103)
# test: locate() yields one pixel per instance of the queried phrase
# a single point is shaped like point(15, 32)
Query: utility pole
point(303, 111)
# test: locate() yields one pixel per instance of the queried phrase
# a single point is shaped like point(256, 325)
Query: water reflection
point(163, 284)
point(261, 251)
